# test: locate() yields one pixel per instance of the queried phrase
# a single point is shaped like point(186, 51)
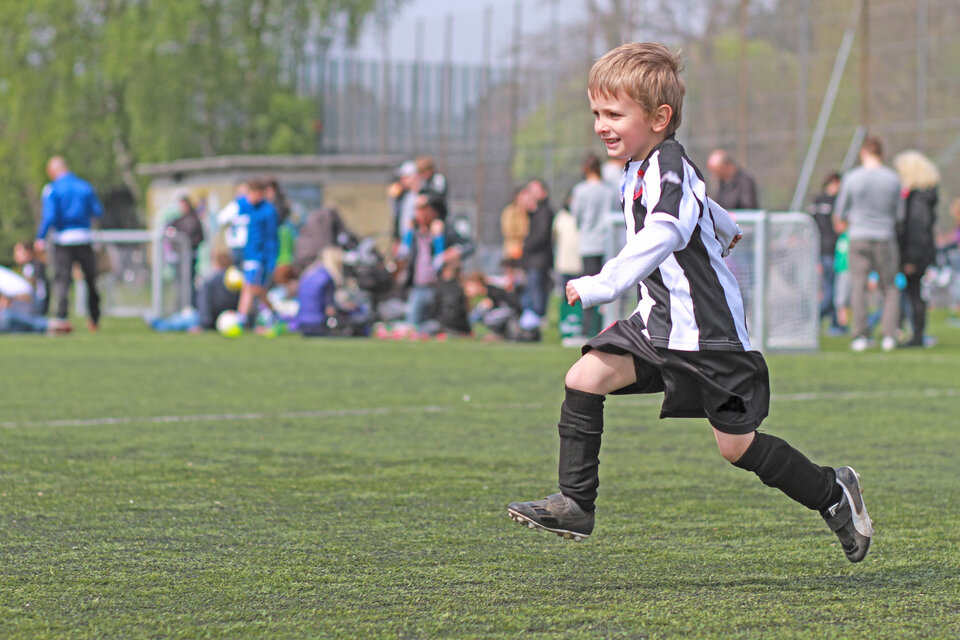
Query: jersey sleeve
point(643, 253)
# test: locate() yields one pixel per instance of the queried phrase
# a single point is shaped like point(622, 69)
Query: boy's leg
point(570, 512)
point(835, 494)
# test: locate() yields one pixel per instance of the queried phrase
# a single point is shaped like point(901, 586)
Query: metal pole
point(446, 89)
point(481, 173)
point(803, 72)
point(865, 65)
point(760, 283)
point(843, 54)
point(743, 86)
point(921, 90)
point(417, 71)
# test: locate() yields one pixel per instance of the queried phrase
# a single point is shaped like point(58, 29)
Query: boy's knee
point(733, 446)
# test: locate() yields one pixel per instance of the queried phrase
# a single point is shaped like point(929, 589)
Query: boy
point(34, 270)
point(687, 337)
point(260, 252)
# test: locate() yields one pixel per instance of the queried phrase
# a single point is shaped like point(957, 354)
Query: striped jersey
point(676, 241)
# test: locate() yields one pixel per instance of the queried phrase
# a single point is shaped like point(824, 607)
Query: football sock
point(580, 428)
point(779, 465)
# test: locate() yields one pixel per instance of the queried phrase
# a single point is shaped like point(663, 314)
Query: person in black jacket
point(915, 232)
point(537, 258)
point(821, 209)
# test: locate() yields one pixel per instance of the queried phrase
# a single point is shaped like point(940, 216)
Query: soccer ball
point(230, 324)
point(233, 279)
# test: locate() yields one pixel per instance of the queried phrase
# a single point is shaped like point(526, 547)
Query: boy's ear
point(661, 117)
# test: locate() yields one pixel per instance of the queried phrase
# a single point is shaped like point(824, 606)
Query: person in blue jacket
point(69, 207)
point(260, 252)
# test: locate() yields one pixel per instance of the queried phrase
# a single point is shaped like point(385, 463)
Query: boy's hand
point(736, 239)
point(572, 295)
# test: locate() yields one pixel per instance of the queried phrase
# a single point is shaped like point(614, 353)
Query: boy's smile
point(625, 128)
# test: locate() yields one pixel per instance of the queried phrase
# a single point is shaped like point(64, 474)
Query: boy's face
point(255, 196)
point(21, 255)
point(625, 128)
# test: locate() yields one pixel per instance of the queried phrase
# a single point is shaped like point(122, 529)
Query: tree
point(111, 83)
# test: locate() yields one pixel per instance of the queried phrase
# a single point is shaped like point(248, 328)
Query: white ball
point(230, 324)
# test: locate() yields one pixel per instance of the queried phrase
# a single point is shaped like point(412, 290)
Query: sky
point(468, 26)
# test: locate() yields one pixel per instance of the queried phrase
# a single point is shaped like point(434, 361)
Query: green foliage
point(176, 486)
point(111, 84)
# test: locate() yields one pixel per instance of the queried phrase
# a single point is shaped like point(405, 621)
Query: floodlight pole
point(839, 65)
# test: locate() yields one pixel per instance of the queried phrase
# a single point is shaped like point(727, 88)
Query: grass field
point(172, 486)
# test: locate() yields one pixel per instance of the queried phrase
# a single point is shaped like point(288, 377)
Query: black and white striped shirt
point(676, 241)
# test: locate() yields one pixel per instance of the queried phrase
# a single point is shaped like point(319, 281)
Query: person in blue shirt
point(69, 207)
point(260, 252)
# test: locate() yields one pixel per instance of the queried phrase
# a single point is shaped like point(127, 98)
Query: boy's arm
point(642, 254)
point(49, 214)
point(667, 228)
point(728, 231)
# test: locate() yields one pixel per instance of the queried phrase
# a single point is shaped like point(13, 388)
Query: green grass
point(358, 490)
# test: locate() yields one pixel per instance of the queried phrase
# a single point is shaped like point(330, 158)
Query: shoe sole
point(847, 478)
point(532, 524)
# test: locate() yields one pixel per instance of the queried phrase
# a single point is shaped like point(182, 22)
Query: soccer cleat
point(848, 518)
point(557, 514)
point(889, 343)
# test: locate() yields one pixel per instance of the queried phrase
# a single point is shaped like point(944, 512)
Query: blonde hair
point(647, 72)
point(916, 170)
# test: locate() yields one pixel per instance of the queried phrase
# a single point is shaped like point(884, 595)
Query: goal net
point(776, 265)
point(140, 272)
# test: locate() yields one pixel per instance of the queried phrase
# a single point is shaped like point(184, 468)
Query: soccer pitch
point(157, 485)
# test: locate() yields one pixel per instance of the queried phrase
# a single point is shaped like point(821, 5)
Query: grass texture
point(174, 486)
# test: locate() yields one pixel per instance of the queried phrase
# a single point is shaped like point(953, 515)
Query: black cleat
point(557, 514)
point(848, 518)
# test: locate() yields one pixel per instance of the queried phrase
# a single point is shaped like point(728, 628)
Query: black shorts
point(729, 388)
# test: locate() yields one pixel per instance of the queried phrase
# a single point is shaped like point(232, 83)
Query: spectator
point(214, 296)
point(286, 229)
point(431, 181)
point(735, 188)
point(514, 226)
point(427, 248)
point(323, 228)
point(450, 313)
point(189, 225)
point(235, 220)
point(567, 265)
point(16, 306)
point(404, 193)
point(69, 207)
point(867, 208)
point(34, 269)
point(592, 200)
point(496, 307)
point(315, 293)
point(915, 232)
point(537, 258)
point(822, 211)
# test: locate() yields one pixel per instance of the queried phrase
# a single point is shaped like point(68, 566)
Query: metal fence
point(757, 84)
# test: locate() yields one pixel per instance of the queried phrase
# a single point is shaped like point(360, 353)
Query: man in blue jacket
point(69, 207)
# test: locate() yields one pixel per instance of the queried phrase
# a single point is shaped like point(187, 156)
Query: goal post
point(775, 263)
point(140, 272)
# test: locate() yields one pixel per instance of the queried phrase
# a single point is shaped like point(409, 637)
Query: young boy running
point(687, 337)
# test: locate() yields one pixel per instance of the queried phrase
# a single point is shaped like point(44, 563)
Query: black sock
point(779, 465)
point(580, 428)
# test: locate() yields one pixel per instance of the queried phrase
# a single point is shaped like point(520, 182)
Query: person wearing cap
point(431, 181)
point(405, 194)
point(427, 247)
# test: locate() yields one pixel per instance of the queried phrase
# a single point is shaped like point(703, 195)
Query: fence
point(756, 79)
